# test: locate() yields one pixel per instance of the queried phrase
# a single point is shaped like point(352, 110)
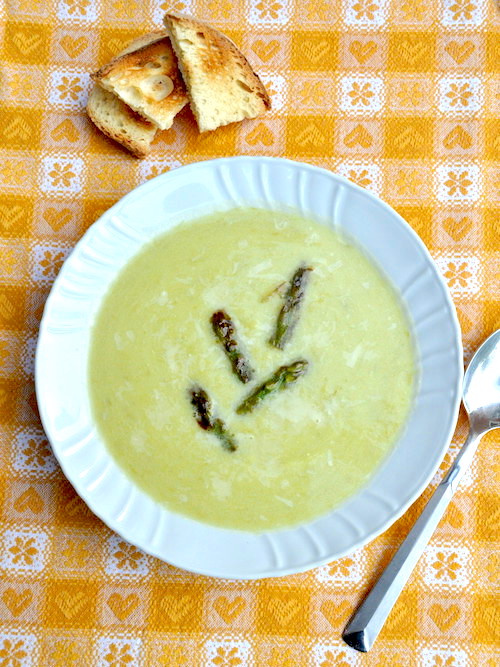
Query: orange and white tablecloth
point(401, 96)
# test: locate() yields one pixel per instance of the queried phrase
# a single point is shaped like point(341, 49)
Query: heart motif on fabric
point(11, 215)
point(457, 137)
point(65, 130)
point(310, 136)
point(315, 52)
point(74, 45)
point(363, 51)
point(454, 516)
point(265, 50)
point(284, 611)
point(176, 608)
point(29, 500)
point(460, 52)
point(358, 137)
point(26, 43)
point(57, 218)
point(335, 614)
point(408, 138)
point(412, 52)
point(18, 128)
point(227, 609)
point(17, 602)
point(444, 618)
point(71, 604)
point(123, 606)
point(457, 229)
point(260, 134)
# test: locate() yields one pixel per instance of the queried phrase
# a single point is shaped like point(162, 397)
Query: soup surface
point(301, 450)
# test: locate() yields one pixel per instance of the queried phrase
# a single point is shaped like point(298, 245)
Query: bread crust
point(117, 121)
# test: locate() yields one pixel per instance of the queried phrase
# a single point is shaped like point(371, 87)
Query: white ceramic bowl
point(188, 192)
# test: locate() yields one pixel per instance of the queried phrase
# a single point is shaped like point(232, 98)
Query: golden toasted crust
point(148, 80)
point(222, 86)
point(119, 122)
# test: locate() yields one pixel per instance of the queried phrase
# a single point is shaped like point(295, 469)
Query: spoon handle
point(367, 621)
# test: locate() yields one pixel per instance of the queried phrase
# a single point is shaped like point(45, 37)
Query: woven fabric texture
point(400, 96)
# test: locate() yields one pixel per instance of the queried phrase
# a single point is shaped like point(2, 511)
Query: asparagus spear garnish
point(204, 415)
point(225, 331)
point(289, 313)
point(281, 379)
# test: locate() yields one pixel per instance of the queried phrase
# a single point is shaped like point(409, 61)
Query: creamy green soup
point(301, 451)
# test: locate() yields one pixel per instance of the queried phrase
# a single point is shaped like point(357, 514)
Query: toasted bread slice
point(119, 122)
point(148, 80)
point(115, 119)
point(221, 85)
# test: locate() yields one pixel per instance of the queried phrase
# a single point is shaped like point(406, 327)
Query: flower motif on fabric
point(317, 10)
point(439, 661)
point(410, 94)
point(148, 170)
point(14, 172)
point(446, 566)
point(21, 86)
point(12, 653)
point(462, 9)
point(69, 87)
point(118, 656)
point(365, 9)
point(66, 654)
point(221, 8)
point(111, 176)
point(77, 7)
point(361, 177)
point(10, 260)
point(179, 6)
point(125, 9)
point(227, 657)
point(408, 182)
point(36, 453)
point(61, 174)
point(269, 9)
point(458, 182)
point(459, 94)
point(342, 567)
point(361, 93)
point(75, 554)
point(127, 556)
point(174, 656)
point(456, 274)
point(52, 262)
point(23, 550)
point(413, 10)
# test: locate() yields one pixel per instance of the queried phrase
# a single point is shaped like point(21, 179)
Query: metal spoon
point(481, 398)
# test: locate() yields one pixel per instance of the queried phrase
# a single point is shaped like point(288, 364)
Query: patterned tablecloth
point(402, 97)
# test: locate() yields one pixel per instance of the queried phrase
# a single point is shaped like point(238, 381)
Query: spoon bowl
point(481, 387)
